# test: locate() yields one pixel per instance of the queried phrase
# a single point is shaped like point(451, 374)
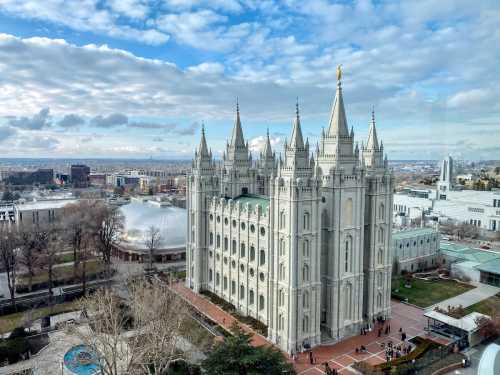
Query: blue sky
point(136, 78)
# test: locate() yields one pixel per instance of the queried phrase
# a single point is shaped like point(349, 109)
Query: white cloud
point(88, 15)
point(257, 144)
point(467, 100)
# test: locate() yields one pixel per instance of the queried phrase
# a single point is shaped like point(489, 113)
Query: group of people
point(394, 352)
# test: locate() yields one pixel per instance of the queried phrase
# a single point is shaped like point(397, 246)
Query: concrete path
point(468, 298)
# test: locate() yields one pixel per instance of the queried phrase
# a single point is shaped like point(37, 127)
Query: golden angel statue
point(339, 72)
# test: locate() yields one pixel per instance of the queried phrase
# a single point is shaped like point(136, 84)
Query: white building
point(479, 208)
point(301, 243)
point(415, 249)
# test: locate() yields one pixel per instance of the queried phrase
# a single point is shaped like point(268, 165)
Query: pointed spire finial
point(339, 73)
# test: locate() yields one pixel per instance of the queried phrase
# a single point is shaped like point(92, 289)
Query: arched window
point(211, 238)
point(305, 300)
point(242, 292)
point(252, 253)
point(347, 214)
point(379, 300)
point(281, 298)
point(282, 272)
point(347, 302)
point(305, 249)
point(379, 279)
point(305, 324)
point(218, 241)
point(262, 257)
point(282, 219)
point(282, 247)
point(233, 287)
point(217, 279)
point(306, 221)
point(305, 273)
point(226, 243)
point(242, 250)
point(233, 247)
point(347, 255)
point(261, 302)
point(381, 211)
point(225, 283)
point(281, 322)
point(380, 256)
point(381, 235)
point(251, 297)
point(210, 275)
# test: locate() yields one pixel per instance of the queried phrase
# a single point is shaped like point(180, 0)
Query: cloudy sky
point(136, 78)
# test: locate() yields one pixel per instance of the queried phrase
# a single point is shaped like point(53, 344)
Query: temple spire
point(338, 122)
point(297, 141)
point(237, 139)
point(372, 143)
point(268, 152)
point(203, 149)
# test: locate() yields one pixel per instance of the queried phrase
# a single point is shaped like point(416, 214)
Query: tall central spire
point(237, 140)
point(338, 122)
point(297, 141)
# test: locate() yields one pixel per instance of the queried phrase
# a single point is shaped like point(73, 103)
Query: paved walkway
point(341, 355)
point(468, 298)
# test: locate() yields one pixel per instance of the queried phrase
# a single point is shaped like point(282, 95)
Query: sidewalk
point(341, 355)
point(468, 298)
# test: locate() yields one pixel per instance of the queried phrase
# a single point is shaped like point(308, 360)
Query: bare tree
point(50, 244)
point(152, 240)
point(80, 230)
point(29, 254)
point(8, 257)
point(110, 226)
point(142, 336)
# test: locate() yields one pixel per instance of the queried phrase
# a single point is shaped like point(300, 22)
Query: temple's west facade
point(301, 241)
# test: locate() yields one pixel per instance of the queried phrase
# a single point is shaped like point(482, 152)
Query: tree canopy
point(236, 356)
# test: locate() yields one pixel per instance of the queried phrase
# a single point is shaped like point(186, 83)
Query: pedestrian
point(311, 358)
point(379, 332)
point(389, 328)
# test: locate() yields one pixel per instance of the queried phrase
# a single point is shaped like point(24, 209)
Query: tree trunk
point(84, 278)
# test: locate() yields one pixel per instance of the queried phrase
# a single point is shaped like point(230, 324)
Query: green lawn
point(426, 293)
point(11, 321)
point(489, 306)
point(93, 266)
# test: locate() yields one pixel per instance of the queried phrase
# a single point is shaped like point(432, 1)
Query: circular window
point(234, 223)
point(421, 242)
point(252, 228)
point(262, 231)
point(225, 260)
point(243, 226)
point(323, 199)
point(218, 219)
point(242, 268)
point(261, 276)
point(226, 221)
point(211, 217)
point(252, 272)
point(233, 264)
point(210, 254)
point(217, 257)
point(400, 246)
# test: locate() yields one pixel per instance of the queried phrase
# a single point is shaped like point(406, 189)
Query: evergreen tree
point(236, 356)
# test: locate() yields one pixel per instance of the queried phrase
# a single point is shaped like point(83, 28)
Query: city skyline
point(136, 78)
